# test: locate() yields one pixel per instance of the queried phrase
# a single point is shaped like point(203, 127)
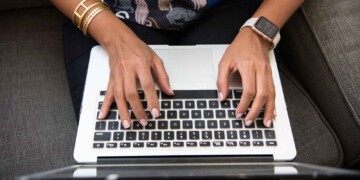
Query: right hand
point(131, 59)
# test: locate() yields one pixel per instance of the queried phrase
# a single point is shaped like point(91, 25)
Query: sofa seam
point(322, 118)
point(348, 104)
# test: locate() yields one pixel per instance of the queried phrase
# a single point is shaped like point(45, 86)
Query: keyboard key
point(181, 135)
point(231, 134)
point(208, 114)
point(225, 104)
point(165, 104)
point(231, 143)
point(137, 125)
point(231, 113)
point(260, 124)
point(256, 134)
point(220, 113)
point(172, 114)
point(218, 143)
point(125, 145)
point(258, 143)
point(244, 134)
point(141, 94)
point(237, 93)
point(98, 145)
point(113, 125)
point(102, 93)
point(219, 135)
point(130, 136)
point(269, 134)
point(143, 135)
point(102, 136)
point(192, 94)
point(244, 143)
point(162, 124)
point(161, 115)
point(230, 95)
point(271, 143)
point(148, 114)
point(175, 124)
point(132, 115)
point(236, 124)
point(118, 136)
point(196, 114)
point(177, 104)
point(111, 145)
point(169, 135)
point(151, 125)
point(178, 144)
point(224, 124)
point(151, 144)
point(189, 104)
point(165, 144)
point(214, 104)
point(199, 124)
point(201, 104)
point(194, 135)
point(261, 115)
point(144, 104)
point(100, 125)
point(206, 134)
point(111, 115)
point(138, 144)
point(187, 124)
point(251, 126)
point(235, 103)
point(112, 106)
point(204, 143)
point(212, 124)
point(184, 114)
point(191, 144)
point(156, 135)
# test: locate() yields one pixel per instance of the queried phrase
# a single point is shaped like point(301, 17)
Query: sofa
point(320, 52)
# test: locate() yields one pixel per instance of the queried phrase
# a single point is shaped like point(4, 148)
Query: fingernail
point(143, 122)
point(239, 115)
point(275, 114)
point(248, 122)
point(221, 96)
point(100, 115)
point(155, 113)
point(268, 123)
point(125, 123)
point(172, 92)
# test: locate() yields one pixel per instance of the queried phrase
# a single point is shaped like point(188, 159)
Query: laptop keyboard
point(191, 118)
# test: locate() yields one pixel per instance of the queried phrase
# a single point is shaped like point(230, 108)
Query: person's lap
point(312, 135)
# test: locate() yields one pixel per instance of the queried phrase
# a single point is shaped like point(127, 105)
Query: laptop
point(192, 123)
point(196, 136)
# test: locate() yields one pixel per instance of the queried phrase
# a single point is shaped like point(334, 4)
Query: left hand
point(248, 54)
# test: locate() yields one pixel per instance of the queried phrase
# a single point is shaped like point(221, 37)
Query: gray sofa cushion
point(322, 47)
point(38, 125)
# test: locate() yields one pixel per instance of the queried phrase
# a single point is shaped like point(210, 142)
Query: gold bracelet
point(80, 17)
point(91, 16)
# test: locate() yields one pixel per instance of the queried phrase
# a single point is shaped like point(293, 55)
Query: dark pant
point(220, 25)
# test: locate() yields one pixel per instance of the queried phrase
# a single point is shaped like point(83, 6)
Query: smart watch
point(265, 28)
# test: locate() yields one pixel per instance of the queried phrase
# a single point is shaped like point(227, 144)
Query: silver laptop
point(192, 123)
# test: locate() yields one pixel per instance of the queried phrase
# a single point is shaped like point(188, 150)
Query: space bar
point(192, 94)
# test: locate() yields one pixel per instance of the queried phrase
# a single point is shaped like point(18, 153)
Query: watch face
point(266, 27)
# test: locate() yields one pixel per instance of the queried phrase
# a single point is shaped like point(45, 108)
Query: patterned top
point(161, 14)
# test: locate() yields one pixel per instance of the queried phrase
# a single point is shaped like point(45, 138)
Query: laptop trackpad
point(188, 66)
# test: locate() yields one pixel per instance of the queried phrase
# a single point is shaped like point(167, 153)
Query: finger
point(119, 95)
point(161, 75)
point(270, 111)
point(260, 97)
point(249, 89)
point(223, 79)
point(133, 98)
point(108, 100)
point(148, 85)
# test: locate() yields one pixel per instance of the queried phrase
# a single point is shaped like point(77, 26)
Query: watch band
point(251, 23)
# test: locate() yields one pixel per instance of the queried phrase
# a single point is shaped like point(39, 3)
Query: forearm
point(278, 11)
point(102, 27)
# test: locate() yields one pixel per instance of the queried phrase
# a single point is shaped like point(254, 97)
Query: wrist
point(255, 37)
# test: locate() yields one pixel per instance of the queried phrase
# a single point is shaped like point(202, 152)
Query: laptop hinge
point(184, 159)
